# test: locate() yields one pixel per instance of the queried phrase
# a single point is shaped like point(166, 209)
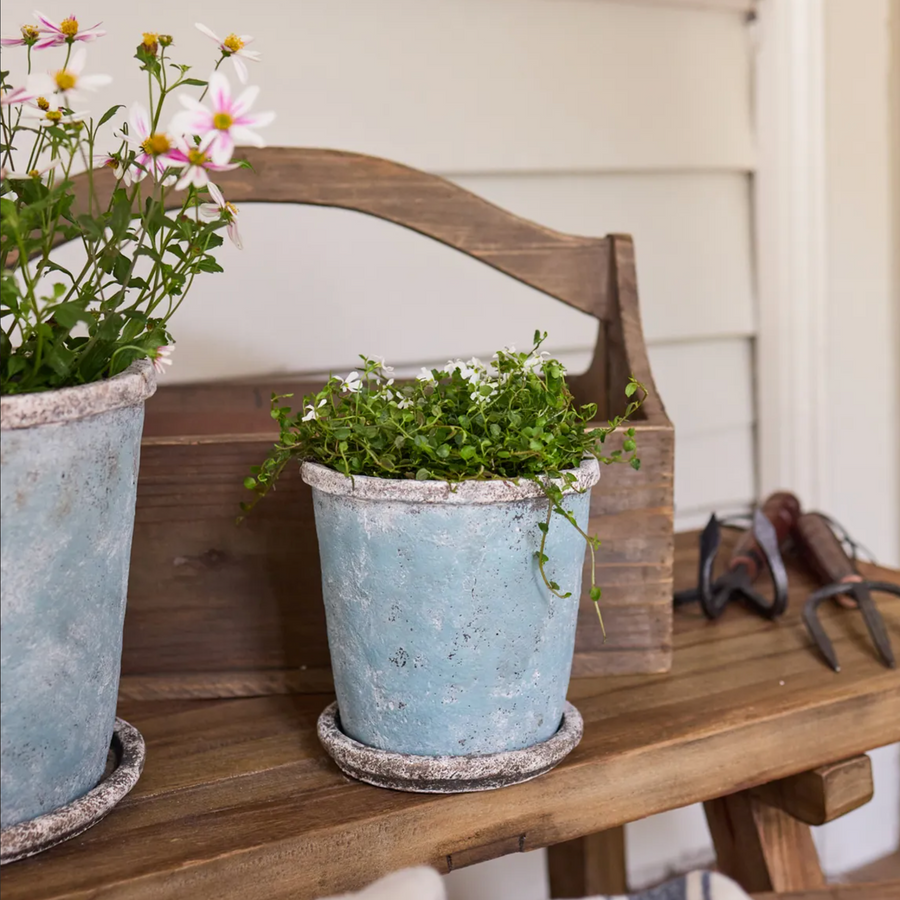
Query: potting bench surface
point(238, 799)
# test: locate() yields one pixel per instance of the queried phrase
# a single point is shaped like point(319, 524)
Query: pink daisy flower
point(163, 358)
point(197, 165)
point(221, 207)
point(66, 32)
point(154, 148)
point(227, 123)
point(71, 81)
point(18, 95)
point(32, 173)
point(233, 47)
point(30, 37)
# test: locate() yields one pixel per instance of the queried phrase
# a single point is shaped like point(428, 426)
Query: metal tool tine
point(689, 595)
point(814, 626)
point(875, 624)
point(767, 538)
point(709, 546)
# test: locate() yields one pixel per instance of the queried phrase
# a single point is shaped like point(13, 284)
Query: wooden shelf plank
point(238, 799)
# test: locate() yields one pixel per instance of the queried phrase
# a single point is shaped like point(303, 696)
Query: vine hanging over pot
point(512, 418)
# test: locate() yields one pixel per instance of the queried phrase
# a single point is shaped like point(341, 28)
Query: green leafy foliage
point(513, 418)
point(62, 328)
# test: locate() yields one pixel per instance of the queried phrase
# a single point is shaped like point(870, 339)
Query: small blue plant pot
point(444, 639)
point(69, 477)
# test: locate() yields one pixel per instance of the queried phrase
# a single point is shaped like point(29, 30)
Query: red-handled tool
point(825, 555)
point(757, 551)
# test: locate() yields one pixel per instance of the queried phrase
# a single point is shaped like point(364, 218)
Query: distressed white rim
point(447, 774)
point(129, 388)
point(52, 828)
point(366, 487)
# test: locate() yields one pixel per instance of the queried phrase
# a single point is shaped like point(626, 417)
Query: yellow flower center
point(233, 43)
point(69, 27)
point(111, 163)
point(30, 32)
point(230, 210)
point(34, 173)
point(65, 80)
point(42, 103)
point(54, 115)
point(156, 144)
point(150, 41)
point(197, 157)
point(222, 121)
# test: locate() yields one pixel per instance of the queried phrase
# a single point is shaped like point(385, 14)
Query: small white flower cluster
point(485, 379)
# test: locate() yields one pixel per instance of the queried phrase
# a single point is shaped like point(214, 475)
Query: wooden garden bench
point(238, 800)
point(225, 670)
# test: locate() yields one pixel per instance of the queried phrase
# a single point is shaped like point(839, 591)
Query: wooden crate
point(216, 609)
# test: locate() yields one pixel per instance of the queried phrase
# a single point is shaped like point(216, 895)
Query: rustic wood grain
point(761, 847)
point(244, 601)
point(882, 890)
point(215, 610)
point(238, 800)
point(590, 865)
point(823, 794)
point(570, 268)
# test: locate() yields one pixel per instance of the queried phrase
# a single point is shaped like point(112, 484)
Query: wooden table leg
point(590, 865)
point(761, 836)
point(761, 847)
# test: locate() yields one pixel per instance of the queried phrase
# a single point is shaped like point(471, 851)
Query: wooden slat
point(211, 603)
point(823, 794)
point(239, 801)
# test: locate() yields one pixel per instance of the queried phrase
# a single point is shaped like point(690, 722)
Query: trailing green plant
point(513, 418)
point(144, 238)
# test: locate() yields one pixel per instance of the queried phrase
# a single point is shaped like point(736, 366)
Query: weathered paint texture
point(447, 774)
point(68, 494)
point(444, 639)
point(124, 767)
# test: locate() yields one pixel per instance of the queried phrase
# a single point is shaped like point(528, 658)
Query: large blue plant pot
point(444, 639)
point(69, 476)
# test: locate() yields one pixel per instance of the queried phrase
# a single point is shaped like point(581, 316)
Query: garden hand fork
point(825, 555)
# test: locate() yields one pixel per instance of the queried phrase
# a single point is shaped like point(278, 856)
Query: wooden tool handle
point(782, 509)
point(822, 550)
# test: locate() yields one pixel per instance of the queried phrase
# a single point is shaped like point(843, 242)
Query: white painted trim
point(791, 247)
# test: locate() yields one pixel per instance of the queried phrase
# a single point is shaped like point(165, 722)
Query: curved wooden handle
point(782, 509)
point(822, 550)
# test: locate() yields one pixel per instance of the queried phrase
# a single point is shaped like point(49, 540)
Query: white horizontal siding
point(468, 85)
point(691, 230)
point(303, 270)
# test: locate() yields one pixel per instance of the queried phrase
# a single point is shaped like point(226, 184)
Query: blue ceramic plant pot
point(69, 477)
point(444, 638)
